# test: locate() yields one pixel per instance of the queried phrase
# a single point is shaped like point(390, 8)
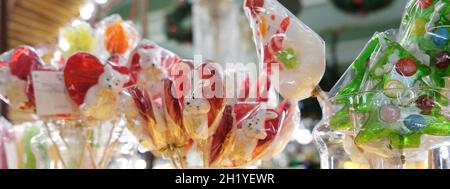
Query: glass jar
point(77, 144)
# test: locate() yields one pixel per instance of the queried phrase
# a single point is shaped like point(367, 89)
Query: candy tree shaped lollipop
point(395, 104)
point(15, 83)
point(286, 43)
point(350, 83)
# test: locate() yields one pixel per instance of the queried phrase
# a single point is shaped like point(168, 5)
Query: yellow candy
point(79, 39)
point(419, 27)
point(104, 107)
point(394, 89)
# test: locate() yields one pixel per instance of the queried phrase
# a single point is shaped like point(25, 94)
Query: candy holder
point(336, 146)
point(74, 144)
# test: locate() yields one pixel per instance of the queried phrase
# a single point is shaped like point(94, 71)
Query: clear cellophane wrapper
point(285, 44)
point(115, 37)
point(78, 36)
point(396, 109)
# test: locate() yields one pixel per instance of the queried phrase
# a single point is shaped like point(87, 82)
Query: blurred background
point(218, 30)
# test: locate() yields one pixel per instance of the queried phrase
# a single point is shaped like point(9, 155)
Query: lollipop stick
point(62, 134)
point(89, 148)
point(180, 154)
point(110, 148)
point(171, 156)
point(108, 141)
point(323, 98)
point(83, 153)
point(56, 146)
point(202, 145)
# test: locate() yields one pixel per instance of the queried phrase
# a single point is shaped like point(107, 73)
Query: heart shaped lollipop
point(80, 74)
point(23, 61)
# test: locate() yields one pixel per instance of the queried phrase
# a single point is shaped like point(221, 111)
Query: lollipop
point(285, 42)
point(93, 86)
point(392, 102)
point(15, 83)
point(162, 112)
point(78, 37)
point(94, 130)
point(117, 36)
point(259, 132)
point(203, 106)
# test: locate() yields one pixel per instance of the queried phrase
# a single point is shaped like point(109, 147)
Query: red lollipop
point(172, 103)
point(143, 103)
point(80, 74)
point(23, 61)
point(221, 137)
point(211, 73)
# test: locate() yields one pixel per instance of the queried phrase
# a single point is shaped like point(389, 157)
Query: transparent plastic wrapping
point(160, 112)
point(193, 128)
point(16, 87)
point(335, 140)
point(386, 111)
point(284, 42)
point(425, 33)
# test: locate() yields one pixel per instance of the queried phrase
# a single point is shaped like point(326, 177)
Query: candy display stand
point(77, 144)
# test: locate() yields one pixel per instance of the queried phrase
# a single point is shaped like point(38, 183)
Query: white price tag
point(50, 94)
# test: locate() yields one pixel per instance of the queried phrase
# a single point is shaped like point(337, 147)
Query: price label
point(50, 94)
